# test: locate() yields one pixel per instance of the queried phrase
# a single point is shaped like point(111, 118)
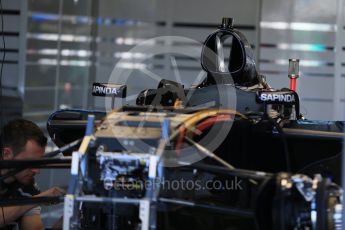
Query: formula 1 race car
point(228, 153)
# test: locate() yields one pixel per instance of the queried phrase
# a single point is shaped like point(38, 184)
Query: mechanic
point(22, 140)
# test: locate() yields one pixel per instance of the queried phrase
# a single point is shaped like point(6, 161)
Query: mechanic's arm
point(33, 222)
point(13, 213)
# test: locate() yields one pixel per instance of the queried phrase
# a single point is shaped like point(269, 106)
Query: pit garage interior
point(53, 51)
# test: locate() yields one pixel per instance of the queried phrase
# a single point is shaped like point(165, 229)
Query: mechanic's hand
point(54, 191)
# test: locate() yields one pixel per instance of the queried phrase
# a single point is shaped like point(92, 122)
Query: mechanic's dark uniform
point(15, 190)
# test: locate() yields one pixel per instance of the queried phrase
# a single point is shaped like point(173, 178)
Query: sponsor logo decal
point(289, 98)
point(105, 90)
point(111, 90)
